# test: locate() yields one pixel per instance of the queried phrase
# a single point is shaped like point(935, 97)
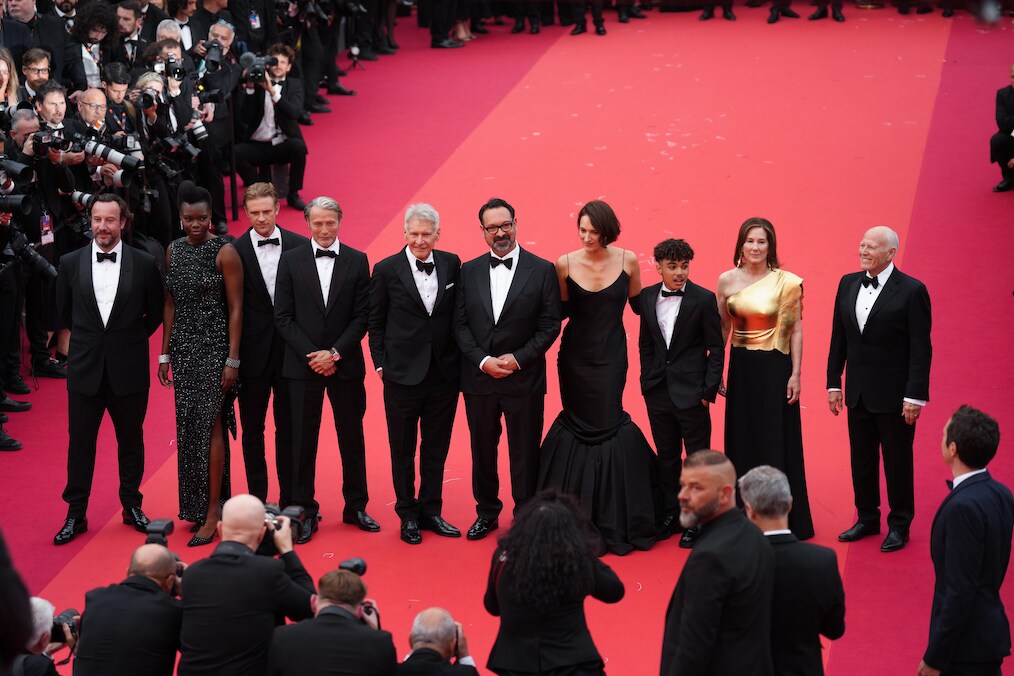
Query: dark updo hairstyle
point(193, 194)
point(549, 553)
point(769, 230)
point(603, 219)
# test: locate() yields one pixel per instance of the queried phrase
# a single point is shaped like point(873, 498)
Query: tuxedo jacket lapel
point(309, 271)
point(403, 268)
point(888, 292)
point(85, 270)
point(338, 276)
point(124, 285)
point(687, 305)
point(442, 277)
point(651, 316)
point(482, 282)
point(853, 294)
point(245, 247)
point(521, 276)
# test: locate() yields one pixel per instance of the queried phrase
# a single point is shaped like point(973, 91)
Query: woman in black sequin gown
point(203, 319)
point(594, 450)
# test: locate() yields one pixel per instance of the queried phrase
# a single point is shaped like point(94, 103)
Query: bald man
point(880, 337)
point(233, 599)
point(436, 639)
point(133, 627)
point(719, 618)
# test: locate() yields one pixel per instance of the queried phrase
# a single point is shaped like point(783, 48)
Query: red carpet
point(687, 129)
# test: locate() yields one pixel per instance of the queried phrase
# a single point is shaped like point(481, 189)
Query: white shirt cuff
point(484, 359)
point(834, 389)
point(917, 402)
point(467, 660)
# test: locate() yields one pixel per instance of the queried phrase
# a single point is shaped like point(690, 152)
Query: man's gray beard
point(703, 515)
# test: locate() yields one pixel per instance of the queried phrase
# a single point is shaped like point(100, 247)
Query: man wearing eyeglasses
point(507, 314)
point(47, 30)
point(36, 73)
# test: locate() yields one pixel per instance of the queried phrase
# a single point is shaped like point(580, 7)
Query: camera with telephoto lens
point(17, 172)
point(149, 197)
point(83, 199)
point(171, 67)
point(22, 248)
point(66, 618)
point(7, 113)
point(213, 57)
point(107, 153)
point(256, 66)
point(44, 141)
point(296, 517)
point(177, 143)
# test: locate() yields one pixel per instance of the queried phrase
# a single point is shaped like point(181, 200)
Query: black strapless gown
point(593, 449)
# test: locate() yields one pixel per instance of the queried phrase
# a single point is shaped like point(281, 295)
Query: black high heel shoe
point(197, 526)
point(198, 541)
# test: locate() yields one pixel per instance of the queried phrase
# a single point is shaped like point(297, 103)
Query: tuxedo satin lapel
point(889, 291)
point(338, 276)
point(687, 307)
point(85, 270)
point(521, 276)
point(126, 283)
point(308, 268)
point(852, 295)
point(651, 315)
point(403, 268)
point(482, 282)
point(442, 277)
point(245, 248)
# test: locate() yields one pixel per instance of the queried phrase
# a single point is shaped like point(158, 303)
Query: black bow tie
point(130, 41)
point(111, 257)
point(667, 294)
point(424, 267)
point(867, 281)
point(950, 484)
point(507, 262)
point(325, 252)
point(272, 240)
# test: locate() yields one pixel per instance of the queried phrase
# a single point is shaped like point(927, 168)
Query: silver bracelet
point(232, 363)
point(163, 359)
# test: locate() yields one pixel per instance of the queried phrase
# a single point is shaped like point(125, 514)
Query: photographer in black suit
point(233, 599)
point(413, 350)
point(269, 111)
point(263, 348)
point(436, 639)
point(345, 631)
point(134, 626)
point(809, 599)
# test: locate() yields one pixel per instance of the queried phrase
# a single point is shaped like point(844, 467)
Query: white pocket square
point(448, 286)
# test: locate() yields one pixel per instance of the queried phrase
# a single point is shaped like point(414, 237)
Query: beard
point(699, 516)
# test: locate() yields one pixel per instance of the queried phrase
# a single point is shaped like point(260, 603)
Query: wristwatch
point(334, 355)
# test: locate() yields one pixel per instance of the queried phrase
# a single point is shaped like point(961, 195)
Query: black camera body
point(66, 618)
point(148, 98)
point(213, 56)
point(256, 66)
point(297, 515)
point(22, 248)
point(171, 67)
point(44, 141)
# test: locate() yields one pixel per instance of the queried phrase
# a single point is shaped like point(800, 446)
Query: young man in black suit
point(279, 142)
point(719, 618)
point(321, 309)
point(507, 315)
point(413, 351)
point(880, 336)
point(809, 598)
point(233, 599)
point(141, 616)
point(111, 298)
point(682, 355)
point(263, 348)
point(345, 631)
point(970, 544)
point(436, 639)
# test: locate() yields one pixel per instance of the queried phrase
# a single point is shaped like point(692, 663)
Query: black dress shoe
point(295, 201)
point(17, 385)
point(304, 119)
point(307, 529)
point(446, 43)
point(535, 29)
point(9, 443)
point(858, 532)
point(837, 15)
point(788, 12)
point(72, 527)
point(410, 532)
point(11, 406)
point(689, 537)
point(635, 13)
point(368, 55)
point(481, 528)
point(579, 29)
point(136, 518)
point(519, 27)
point(706, 14)
point(317, 108)
point(894, 541)
point(390, 43)
point(728, 15)
point(478, 28)
point(773, 18)
point(948, 12)
point(48, 368)
point(668, 526)
point(1004, 186)
point(339, 90)
point(819, 14)
point(363, 520)
point(439, 526)
point(600, 29)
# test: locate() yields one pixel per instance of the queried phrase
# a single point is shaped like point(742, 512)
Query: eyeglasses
point(93, 106)
point(37, 71)
point(506, 227)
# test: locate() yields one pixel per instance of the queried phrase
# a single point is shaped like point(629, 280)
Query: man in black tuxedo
point(809, 598)
point(274, 139)
point(344, 637)
point(970, 544)
point(131, 43)
point(1001, 145)
point(435, 639)
point(140, 617)
point(321, 309)
point(880, 335)
point(49, 32)
point(413, 351)
point(110, 296)
point(719, 618)
point(263, 347)
point(682, 356)
point(233, 599)
point(151, 17)
point(507, 315)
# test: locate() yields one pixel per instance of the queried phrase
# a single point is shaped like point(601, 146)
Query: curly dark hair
point(95, 15)
point(673, 250)
point(550, 557)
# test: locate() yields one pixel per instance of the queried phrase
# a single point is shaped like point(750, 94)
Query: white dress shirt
point(966, 475)
point(267, 258)
point(667, 309)
point(268, 128)
point(868, 296)
point(500, 279)
point(106, 279)
point(426, 284)
point(325, 267)
point(186, 37)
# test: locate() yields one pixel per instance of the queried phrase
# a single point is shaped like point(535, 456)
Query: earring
point(739, 261)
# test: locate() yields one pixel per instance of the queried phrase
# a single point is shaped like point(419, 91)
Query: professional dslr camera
point(296, 517)
point(171, 67)
point(44, 141)
point(56, 634)
point(256, 66)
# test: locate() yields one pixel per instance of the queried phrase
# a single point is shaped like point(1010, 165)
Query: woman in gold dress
point(761, 307)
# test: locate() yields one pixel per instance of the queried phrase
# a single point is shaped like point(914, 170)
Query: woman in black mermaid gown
point(593, 450)
point(203, 319)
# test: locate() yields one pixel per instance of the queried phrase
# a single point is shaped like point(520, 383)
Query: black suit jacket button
point(668, 362)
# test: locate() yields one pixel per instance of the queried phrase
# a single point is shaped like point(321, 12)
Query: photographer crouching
point(49, 635)
point(133, 627)
point(233, 599)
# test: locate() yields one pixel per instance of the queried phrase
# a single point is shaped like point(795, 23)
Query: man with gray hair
point(414, 352)
point(809, 599)
point(36, 659)
point(322, 304)
point(435, 639)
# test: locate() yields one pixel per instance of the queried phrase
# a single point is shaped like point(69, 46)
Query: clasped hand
point(322, 362)
point(502, 366)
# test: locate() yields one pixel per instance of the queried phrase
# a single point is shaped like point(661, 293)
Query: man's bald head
point(434, 628)
point(243, 520)
point(877, 249)
point(156, 563)
point(707, 487)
